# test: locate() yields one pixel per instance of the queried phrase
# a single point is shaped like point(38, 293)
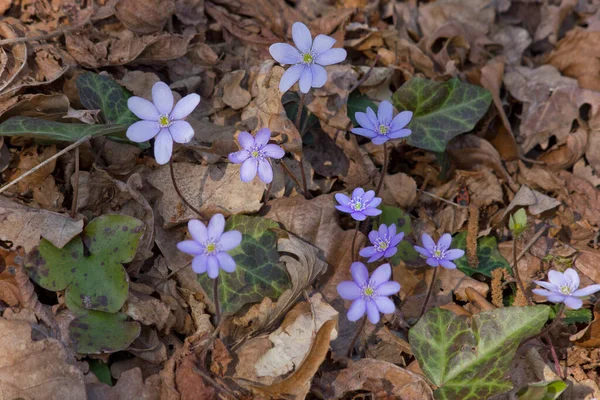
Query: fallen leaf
point(576, 56)
point(589, 337)
point(146, 16)
point(190, 384)
point(535, 201)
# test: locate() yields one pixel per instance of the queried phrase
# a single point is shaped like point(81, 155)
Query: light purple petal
point(162, 97)
point(322, 43)
point(342, 199)
point(447, 264)
point(392, 230)
point(372, 212)
point(367, 251)
point(385, 113)
point(368, 196)
point(185, 106)
point(345, 209)
point(543, 292)
point(383, 273)
point(382, 228)
point(246, 140)
point(248, 170)
point(143, 109)
point(319, 75)
point(547, 285)
point(454, 254)
point(358, 216)
point(190, 247)
point(375, 202)
point(142, 131)
point(363, 132)
point(364, 121)
point(372, 312)
point(199, 264)
point(573, 302)
point(163, 147)
point(306, 80)
point(423, 251)
point(212, 266)
point(385, 305)
point(273, 151)
point(380, 139)
point(427, 241)
point(557, 278)
point(216, 226)
point(388, 288)
point(433, 262)
point(262, 137)
point(349, 290)
point(557, 298)
point(198, 230)
point(226, 262)
point(373, 118)
point(373, 236)
point(230, 240)
point(397, 239)
point(359, 272)
point(302, 37)
point(358, 192)
point(390, 252)
point(572, 278)
point(586, 291)
point(291, 76)
point(375, 257)
point(401, 120)
point(265, 171)
point(356, 310)
point(400, 133)
point(181, 131)
point(445, 241)
point(284, 53)
point(330, 57)
point(238, 157)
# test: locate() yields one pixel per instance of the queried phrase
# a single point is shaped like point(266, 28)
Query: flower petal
point(364, 121)
point(372, 212)
point(364, 132)
point(433, 262)
point(198, 231)
point(586, 291)
point(375, 257)
point(319, 76)
point(212, 266)
point(215, 227)
point(322, 43)
point(453, 254)
point(447, 264)
point(368, 196)
point(226, 262)
point(349, 290)
point(373, 236)
point(249, 169)
point(380, 139)
point(396, 239)
point(385, 112)
point(398, 134)
point(388, 288)
point(373, 118)
point(543, 292)
point(305, 80)
point(423, 251)
point(359, 272)
point(199, 264)
point(345, 209)
point(401, 120)
point(383, 273)
point(332, 56)
point(383, 230)
point(557, 278)
point(342, 199)
point(265, 171)
point(445, 241)
point(291, 76)
point(230, 240)
point(356, 310)
point(185, 106)
point(142, 131)
point(572, 278)
point(385, 305)
point(238, 157)
point(358, 192)
point(273, 151)
point(548, 286)
point(390, 252)
point(367, 251)
point(372, 312)
point(262, 137)
point(181, 131)
point(143, 109)
point(392, 230)
point(302, 37)
point(163, 147)
point(284, 53)
point(573, 302)
point(557, 298)
point(162, 97)
point(190, 247)
point(375, 202)
point(358, 216)
point(427, 241)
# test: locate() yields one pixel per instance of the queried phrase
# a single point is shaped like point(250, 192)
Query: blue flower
point(440, 253)
point(383, 126)
point(255, 156)
point(385, 242)
point(360, 205)
point(564, 288)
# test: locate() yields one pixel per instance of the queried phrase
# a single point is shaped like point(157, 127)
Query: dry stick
point(75, 184)
point(365, 76)
point(51, 35)
point(297, 124)
point(442, 199)
point(532, 242)
point(43, 163)
point(552, 324)
point(216, 300)
point(356, 335)
point(516, 270)
point(267, 193)
point(194, 209)
point(419, 192)
point(386, 160)
point(354, 240)
point(435, 270)
point(286, 170)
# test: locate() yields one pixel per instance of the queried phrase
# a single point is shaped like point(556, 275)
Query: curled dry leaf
point(577, 55)
point(589, 337)
point(535, 201)
point(144, 16)
point(233, 94)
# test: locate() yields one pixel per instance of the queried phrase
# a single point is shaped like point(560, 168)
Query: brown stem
point(299, 113)
point(354, 258)
point(356, 335)
point(287, 171)
point(267, 193)
point(216, 300)
point(435, 270)
point(386, 160)
point(516, 271)
point(194, 209)
point(300, 162)
point(553, 323)
point(365, 76)
point(47, 36)
point(75, 184)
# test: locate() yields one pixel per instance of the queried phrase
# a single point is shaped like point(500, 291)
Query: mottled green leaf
point(258, 272)
point(99, 332)
point(95, 281)
point(441, 110)
point(581, 316)
point(41, 129)
point(487, 253)
point(358, 102)
point(542, 390)
point(469, 358)
point(99, 92)
point(395, 215)
point(101, 370)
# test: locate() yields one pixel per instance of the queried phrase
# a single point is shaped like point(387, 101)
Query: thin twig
point(442, 199)
point(516, 271)
point(552, 324)
point(435, 270)
point(47, 36)
point(43, 163)
point(386, 160)
point(529, 245)
point(354, 241)
point(419, 192)
point(300, 162)
point(299, 113)
point(288, 172)
point(267, 193)
point(365, 76)
point(194, 209)
point(216, 300)
point(356, 335)
point(75, 184)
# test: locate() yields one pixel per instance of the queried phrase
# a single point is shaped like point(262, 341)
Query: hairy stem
point(386, 160)
point(297, 124)
point(75, 184)
point(435, 270)
point(354, 257)
point(194, 209)
point(216, 300)
point(516, 270)
point(363, 322)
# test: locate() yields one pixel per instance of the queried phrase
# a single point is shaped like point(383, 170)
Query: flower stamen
point(383, 129)
point(164, 121)
point(307, 58)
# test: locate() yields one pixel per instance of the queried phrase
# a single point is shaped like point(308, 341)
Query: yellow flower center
point(211, 247)
point(437, 253)
point(357, 206)
point(369, 291)
point(565, 290)
point(164, 121)
point(255, 153)
point(383, 245)
point(307, 58)
point(383, 129)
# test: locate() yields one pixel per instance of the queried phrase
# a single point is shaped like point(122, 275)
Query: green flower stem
point(386, 160)
point(435, 270)
point(363, 322)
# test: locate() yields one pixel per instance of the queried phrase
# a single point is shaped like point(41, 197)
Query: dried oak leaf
point(146, 16)
point(577, 55)
point(475, 13)
point(535, 201)
point(36, 369)
point(589, 337)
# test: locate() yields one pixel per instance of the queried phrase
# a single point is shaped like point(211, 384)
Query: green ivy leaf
point(103, 93)
point(101, 370)
point(358, 102)
point(468, 358)
point(99, 332)
point(406, 252)
point(581, 316)
point(442, 110)
point(96, 281)
point(542, 390)
point(41, 129)
point(487, 253)
point(258, 273)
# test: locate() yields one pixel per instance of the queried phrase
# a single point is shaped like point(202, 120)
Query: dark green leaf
point(41, 129)
point(358, 103)
point(98, 332)
point(581, 316)
point(469, 358)
point(101, 370)
point(394, 215)
point(487, 253)
point(542, 390)
point(442, 110)
point(99, 92)
point(97, 281)
point(258, 273)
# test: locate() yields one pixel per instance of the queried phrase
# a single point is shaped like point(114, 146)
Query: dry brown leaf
point(551, 20)
point(399, 189)
point(144, 16)
point(587, 262)
point(577, 55)
point(190, 384)
point(11, 64)
point(514, 41)
point(190, 12)
point(231, 91)
point(582, 170)
point(475, 13)
point(535, 201)
point(471, 152)
point(538, 177)
point(565, 156)
point(146, 309)
point(583, 197)
point(589, 337)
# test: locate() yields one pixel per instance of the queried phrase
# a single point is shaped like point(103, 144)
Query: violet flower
point(255, 155)
point(383, 126)
point(210, 246)
point(306, 59)
point(563, 288)
point(440, 253)
point(360, 205)
point(385, 242)
point(159, 118)
point(369, 295)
